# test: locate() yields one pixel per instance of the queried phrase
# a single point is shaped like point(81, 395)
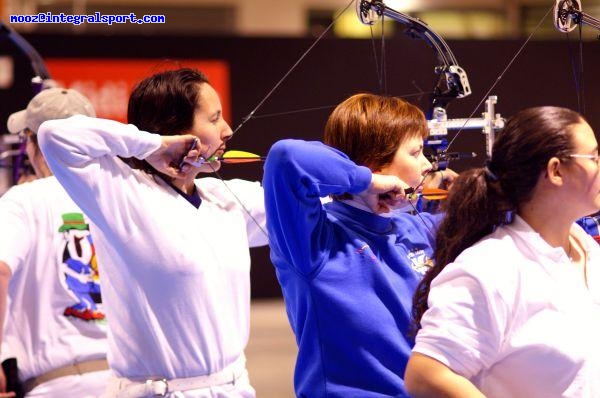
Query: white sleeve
point(79, 140)
point(82, 153)
point(468, 318)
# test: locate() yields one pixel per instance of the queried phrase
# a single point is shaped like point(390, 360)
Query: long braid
point(475, 207)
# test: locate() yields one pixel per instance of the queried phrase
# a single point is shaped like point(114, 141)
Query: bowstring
point(382, 77)
point(380, 67)
point(580, 83)
point(262, 101)
point(576, 70)
point(239, 201)
point(500, 76)
point(317, 108)
point(318, 39)
point(416, 211)
point(383, 60)
point(291, 112)
point(377, 70)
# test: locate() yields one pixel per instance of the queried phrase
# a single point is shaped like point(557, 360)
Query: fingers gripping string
point(192, 146)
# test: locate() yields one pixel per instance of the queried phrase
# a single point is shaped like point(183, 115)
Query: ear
point(38, 161)
point(554, 171)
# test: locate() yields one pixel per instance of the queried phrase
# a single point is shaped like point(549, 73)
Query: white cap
point(52, 103)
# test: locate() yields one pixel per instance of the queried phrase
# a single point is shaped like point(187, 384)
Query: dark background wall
point(333, 70)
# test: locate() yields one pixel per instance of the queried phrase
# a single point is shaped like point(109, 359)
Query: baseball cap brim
point(16, 122)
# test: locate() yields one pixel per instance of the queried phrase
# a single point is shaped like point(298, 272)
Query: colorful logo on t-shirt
point(79, 268)
point(419, 261)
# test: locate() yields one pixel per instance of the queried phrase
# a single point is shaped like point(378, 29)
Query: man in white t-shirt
point(50, 304)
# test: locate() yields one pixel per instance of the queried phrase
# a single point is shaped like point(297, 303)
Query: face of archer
point(409, 163)
point(209, 126)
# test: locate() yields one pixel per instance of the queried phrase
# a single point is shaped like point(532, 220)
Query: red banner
point(108, 82)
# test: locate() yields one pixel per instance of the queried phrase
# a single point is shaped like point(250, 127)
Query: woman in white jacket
point(174, 249)
point(512, 306)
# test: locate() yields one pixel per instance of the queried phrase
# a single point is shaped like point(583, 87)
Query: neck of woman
point(553, 224)
point(186, 186)
point(553, 221)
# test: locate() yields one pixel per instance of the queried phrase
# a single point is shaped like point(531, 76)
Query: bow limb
point(37, 63)
point(41, 77)
point(453, 81)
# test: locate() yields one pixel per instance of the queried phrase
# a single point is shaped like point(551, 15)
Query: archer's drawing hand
point(440, 179)
point(170, 158)
point(385, 193)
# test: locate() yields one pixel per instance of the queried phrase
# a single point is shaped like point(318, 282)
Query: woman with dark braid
point(512, 306)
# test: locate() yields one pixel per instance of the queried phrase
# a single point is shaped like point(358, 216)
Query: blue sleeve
point(297, 174)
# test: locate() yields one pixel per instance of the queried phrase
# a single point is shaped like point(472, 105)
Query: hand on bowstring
point(384, 194)
point(175, 151)
point(440, 179)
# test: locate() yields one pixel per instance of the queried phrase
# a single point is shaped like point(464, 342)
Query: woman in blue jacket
point(348, 269)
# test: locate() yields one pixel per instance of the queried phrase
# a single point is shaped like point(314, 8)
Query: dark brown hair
point(481, 199)
point(164, 103)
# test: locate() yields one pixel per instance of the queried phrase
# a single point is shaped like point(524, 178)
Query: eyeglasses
point(594, 157)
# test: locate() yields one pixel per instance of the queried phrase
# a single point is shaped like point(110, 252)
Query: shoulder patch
point(419, 261)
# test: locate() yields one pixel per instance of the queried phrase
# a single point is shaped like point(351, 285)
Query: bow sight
point(452, 83)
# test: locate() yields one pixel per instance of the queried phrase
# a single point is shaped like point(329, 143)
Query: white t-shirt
point(514, 316)
point(176, 278)
point(54, 316)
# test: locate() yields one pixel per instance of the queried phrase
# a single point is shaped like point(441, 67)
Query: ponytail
point(475, 206)
point(482, 199)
